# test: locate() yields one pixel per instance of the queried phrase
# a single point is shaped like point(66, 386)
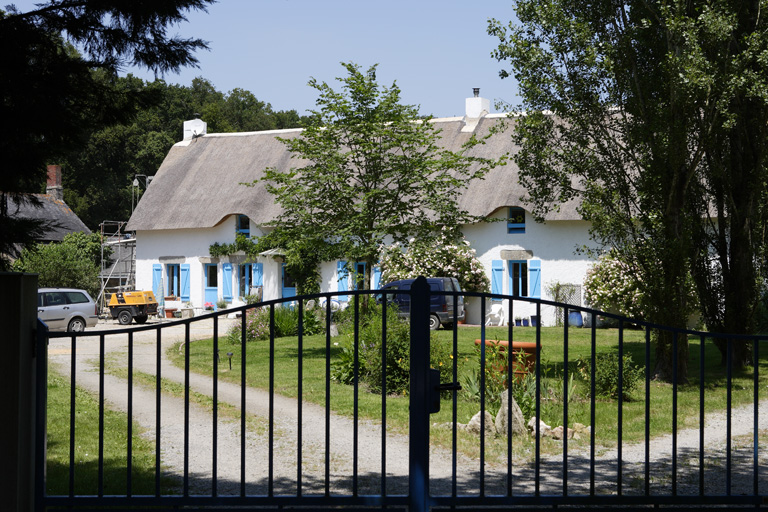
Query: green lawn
point(315, 353)
point(87, 446)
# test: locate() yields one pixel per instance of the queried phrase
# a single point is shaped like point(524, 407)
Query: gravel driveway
point(340, 436)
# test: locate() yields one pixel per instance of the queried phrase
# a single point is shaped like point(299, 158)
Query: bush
point(607, 375)
point(445, 255)
point(286, 324)
point(397, 358)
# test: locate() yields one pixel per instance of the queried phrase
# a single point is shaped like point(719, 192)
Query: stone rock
point(517, 421)
point(558, 433)
point(543, 427)
point(474, 424)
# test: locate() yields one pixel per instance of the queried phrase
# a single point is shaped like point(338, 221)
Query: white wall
point(554, 243)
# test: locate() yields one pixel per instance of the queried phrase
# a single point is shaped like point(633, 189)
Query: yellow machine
point(126, 306)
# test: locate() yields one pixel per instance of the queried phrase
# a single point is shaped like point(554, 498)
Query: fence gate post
point(18, 316)
point(418, 475)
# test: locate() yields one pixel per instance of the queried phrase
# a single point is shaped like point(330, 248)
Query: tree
point(75, 262)
point(635, 109)
point(98, 177)
point(375, 170)
point(51, 96)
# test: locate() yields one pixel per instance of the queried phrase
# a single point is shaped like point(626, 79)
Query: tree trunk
point(666, 342)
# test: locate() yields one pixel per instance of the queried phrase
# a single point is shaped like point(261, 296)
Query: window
point(516, 220)
point(211, 276)
point(518, 278)
point(173, 287)
point(243, 225)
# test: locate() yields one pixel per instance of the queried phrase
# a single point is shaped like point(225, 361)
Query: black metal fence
point(189, 413)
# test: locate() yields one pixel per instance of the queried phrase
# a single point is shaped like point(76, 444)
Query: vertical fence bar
point(186, 410)
point(454, 401)
point(158, 388)
point(384, 308)
point(215, 425)
point(510, 393)
point(620, 412)
point(418, 446)
point(356, 400)
point(728, 424)
point(299, 402)
point(592, 403)
point(271, 471)
point(565, 401)
point(647, 411)
point(129, 440)
point(72, 416)
point(701, 415)
point(101, 418)
point(537, 456)
point(483, 365)
point(674, 413)
point(327, 416)
point(755, 414)
point(243, 403)
point(41, 413)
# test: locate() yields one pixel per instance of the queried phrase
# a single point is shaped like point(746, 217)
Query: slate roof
point(60, 219)
point(198, 184)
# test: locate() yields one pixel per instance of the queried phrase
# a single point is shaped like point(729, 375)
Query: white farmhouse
point(197, 198)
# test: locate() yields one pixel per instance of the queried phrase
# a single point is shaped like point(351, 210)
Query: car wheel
point(76, 325)
point(434, 322)
point(140, 319)
point(125, 317)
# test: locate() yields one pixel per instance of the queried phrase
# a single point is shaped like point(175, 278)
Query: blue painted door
point(289, 285)
point(211, 283)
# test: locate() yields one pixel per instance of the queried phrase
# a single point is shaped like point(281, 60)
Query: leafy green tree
point(75, 262)
point(640, 110)
point(51, 96)
point(375, 170)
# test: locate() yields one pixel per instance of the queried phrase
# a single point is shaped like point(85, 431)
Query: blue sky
point(436, 50)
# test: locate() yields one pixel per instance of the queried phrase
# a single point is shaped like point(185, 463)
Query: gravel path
point(312, 477)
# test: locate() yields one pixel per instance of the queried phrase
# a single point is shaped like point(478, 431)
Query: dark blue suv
point(441, 306)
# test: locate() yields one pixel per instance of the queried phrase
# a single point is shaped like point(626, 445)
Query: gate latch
point(436, 387)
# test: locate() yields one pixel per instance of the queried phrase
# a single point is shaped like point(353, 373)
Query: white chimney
point(476, 107)
point(194, 128)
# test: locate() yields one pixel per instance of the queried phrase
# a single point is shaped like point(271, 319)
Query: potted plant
point(518, 321)
point(525, 322)
point(208, 306)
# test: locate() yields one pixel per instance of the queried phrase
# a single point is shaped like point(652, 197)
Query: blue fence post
point(418, 478)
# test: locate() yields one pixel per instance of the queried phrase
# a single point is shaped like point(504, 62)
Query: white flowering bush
point(443, 256)
point(612, 286)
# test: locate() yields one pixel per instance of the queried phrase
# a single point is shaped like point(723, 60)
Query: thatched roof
point(59, 220)
point(199, 183)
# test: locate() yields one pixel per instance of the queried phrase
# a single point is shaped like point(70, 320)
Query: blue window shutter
point(258, 274)
point(157, 280)
point(534, 279)
point(497, 277)
point(184, 277)
point(376, 277)
point(227, 277)
point(343, 278)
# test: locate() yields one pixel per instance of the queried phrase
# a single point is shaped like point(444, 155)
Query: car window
point(54, 299)
point(76, 298)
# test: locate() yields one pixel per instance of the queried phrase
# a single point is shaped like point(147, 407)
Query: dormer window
point(243, 225)
point(516, 220)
